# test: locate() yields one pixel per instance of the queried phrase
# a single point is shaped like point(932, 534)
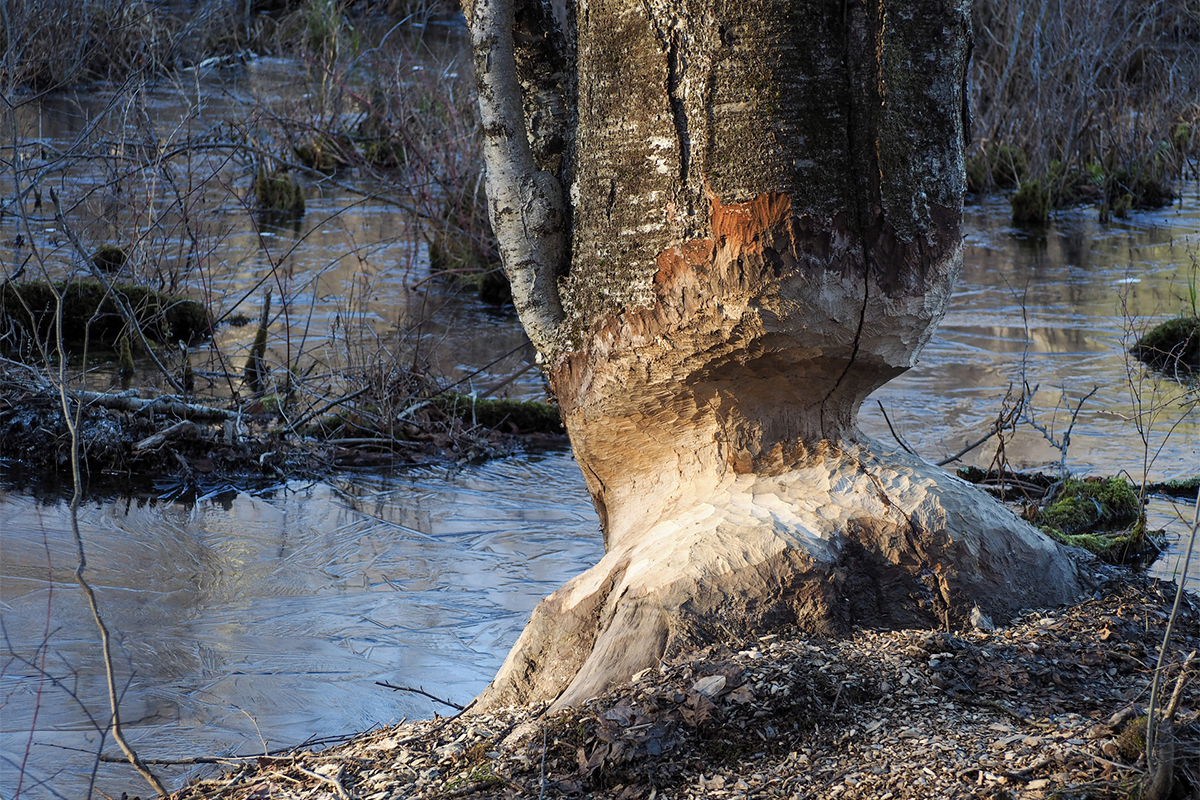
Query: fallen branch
point(367, 442)
point(158, 405)
point(181, 428)
point(331, 780)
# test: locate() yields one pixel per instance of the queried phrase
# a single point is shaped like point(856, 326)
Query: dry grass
point(1099, 97)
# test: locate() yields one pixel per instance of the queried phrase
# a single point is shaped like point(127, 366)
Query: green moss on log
point(1081, 506)
point(88, 310)
point(1179, 487)
point(525, 416)
point(1171, 344)
point(1118, 547)
point(1103, 517)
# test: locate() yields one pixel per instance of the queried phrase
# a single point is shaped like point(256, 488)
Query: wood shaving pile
point(1048, 706)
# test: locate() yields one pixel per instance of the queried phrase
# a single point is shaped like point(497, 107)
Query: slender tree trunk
point(763, 201)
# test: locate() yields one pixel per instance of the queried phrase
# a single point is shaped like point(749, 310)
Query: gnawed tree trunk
point(762, 201)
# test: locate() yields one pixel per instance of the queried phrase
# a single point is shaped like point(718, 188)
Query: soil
point(1052, 705)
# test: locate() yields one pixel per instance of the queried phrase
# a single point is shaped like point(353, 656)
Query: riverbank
point(141, 435)
point(1047, 706)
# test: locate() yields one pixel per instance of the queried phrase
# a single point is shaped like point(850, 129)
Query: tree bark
point(764, 212)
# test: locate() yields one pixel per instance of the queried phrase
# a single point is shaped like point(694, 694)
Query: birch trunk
point(762, 201)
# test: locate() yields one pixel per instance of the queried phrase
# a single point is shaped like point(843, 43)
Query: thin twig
point(497, 360)
point(418, 737)
point(331, 780)
point(387, 685)
point(532, 365)
point(331, 404)
point(72, 423)
point(895, 435)
point(1151, 728)
point(995, 429)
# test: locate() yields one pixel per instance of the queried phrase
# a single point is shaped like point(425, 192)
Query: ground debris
point(190, 444)
point(1039, 708)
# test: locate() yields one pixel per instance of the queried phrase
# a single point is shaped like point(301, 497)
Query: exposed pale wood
point(765, 206)
point(184, 427)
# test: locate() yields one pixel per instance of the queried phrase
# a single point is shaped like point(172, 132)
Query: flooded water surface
point(248, 621)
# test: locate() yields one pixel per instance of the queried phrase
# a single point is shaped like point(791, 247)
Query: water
point(252, 621)
point(248, 623)
point(1058, 311)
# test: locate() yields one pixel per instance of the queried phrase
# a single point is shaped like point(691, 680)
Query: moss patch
point(1131, 742)
point(1121, 547)
point(1179, 487)
point(1081, 506)
point(525, 416)
point(109, 258)
point(278, 194)
point(1033, 202)
point(88, 310)
point(1171, 344)
point(1103, 517)
point(1118, 186)
point(1145, 182)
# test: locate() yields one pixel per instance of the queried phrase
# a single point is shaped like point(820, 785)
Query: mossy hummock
point(110, 258)
point(1103, 517)
point(90, 311)
point(526, 416)
point(1171, 344)
point(278, 194)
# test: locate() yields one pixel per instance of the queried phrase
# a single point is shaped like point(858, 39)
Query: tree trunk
point(764, 214)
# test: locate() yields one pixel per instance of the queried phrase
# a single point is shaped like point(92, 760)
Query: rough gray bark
point(764, 212)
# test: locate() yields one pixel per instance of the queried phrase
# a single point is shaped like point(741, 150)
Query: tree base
point(850, 539)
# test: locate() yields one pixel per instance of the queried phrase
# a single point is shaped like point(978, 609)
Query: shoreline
point(136, 439)
point(1044, 707)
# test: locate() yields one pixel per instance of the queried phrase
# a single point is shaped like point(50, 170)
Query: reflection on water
point(350, 284)
point(250, 622)
point(1057, 311)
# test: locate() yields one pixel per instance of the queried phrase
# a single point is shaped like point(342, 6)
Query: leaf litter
point(1047, 706)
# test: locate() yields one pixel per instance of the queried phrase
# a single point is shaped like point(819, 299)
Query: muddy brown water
point(253, 620)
